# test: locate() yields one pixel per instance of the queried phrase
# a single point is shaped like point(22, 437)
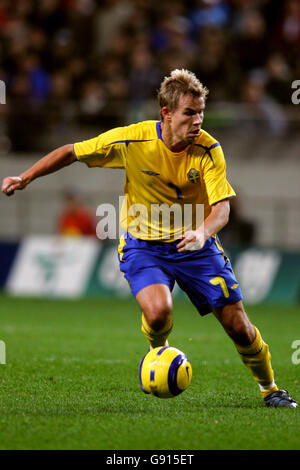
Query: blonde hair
point(180, 82)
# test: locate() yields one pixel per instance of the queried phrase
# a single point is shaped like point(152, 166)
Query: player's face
point(186, 120)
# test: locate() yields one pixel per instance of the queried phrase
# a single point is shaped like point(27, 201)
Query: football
point(165, 372)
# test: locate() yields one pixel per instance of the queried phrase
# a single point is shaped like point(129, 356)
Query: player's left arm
point(214, 222)
point(218, 192)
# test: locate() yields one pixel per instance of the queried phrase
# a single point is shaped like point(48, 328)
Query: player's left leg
point(250, 346)
point(253, 351)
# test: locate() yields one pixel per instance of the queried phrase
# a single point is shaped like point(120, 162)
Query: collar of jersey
point(173, 154)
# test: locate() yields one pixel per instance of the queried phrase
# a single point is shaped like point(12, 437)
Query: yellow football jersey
point(166, 192)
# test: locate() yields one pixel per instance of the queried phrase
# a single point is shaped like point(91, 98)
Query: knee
point(158, 314)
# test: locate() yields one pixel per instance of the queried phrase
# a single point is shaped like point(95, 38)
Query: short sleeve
point(106, 150)
point(214, 176)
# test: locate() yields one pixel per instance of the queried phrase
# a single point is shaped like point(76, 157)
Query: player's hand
point(11, 183)
point(192, 240)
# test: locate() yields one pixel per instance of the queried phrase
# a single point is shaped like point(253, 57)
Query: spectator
point(210, 13)
point(143, 80)
point(24, 118)
point(288, 32)
point(250, 44)
point(76, 219)
point(214, 63)
point(260, 110)
point(278, 84)
point(39, 79)
point(110, 19)
point(127, 46)
point(61, 109)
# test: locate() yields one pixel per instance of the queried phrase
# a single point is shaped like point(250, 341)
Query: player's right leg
point(151, 282)
point(155, 301)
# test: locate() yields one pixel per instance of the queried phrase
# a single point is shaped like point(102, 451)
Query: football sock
point(156, 338)
point(257, 357)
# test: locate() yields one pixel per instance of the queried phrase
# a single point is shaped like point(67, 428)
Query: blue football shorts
point(205, 275)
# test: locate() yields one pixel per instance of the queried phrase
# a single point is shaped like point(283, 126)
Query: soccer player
point(173, 163)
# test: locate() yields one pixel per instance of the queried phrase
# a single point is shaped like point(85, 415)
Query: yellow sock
point(156, 338)
point(258, 358)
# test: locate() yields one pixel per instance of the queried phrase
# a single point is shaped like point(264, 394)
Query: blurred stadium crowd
point(100, 62)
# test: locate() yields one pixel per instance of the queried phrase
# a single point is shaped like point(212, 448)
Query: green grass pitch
point(71, 380)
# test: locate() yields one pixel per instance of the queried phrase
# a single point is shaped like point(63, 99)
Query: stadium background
point(74, 68)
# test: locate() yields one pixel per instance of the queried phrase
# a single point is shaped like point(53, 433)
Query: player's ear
point(165, 113)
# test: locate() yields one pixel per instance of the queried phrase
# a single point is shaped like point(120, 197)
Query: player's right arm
point(108, 149)
point(53, 161)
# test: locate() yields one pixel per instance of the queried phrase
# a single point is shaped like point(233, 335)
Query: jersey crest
point(193, 175)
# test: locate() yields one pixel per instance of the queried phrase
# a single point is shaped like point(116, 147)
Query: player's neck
point(170, 140)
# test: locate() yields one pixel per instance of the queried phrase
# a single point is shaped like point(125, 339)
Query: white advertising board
point(53, 266)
